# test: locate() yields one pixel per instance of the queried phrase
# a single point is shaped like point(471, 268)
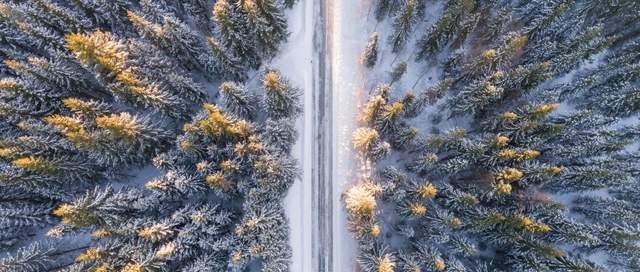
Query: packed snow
point(295, 61)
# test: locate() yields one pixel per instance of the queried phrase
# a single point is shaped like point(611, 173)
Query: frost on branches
point(93, 90)
point(522, 156)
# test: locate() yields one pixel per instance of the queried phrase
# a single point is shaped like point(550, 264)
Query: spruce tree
point(281, 100)
point(403, 25)
point(370, 54)
point(235, 33)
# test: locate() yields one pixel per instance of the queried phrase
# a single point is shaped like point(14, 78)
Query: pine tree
point(271, 27)
point(378, 259)
point(280, 134)
point(456, 17)
point(370, 54)
point(367, 142)
point(199, 11)
point(403, 25)
point(102, 51)
point(234, 32)
point(105, 13)
point(398, 71)
point(178, 39)
point(227, 64)
point(281, 100)
point(238, 100)
point(32, 258)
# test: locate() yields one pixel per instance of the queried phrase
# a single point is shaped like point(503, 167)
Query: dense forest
point(156, 135)
point(521, 155)
point(95, 92)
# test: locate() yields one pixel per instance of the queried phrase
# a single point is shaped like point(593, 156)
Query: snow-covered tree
point(370, 54)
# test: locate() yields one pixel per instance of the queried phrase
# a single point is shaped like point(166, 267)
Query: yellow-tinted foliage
point(531, 226)
point(228, 166)
point(36, 164)
point(101, 233)
point(90, 254)
point(363, 138)
point(497, 75)
point(393, 111)
point(518, 43)
point(439, 264)
point(155, 232)
point(501, 141)
point(98, 48)
point(507, 154)
point(545, 109)
point(131, 79)
point(509, 175)
point(122, 125)
point(8, 152)
point(553, 170)
point(256, 249)
point(236, 257)
point(272, 82)
point(77, 105)
point(72, 215)
point(166, 250)
point(375, 230)
point(72, 128)
point(530, 154)
point(489, 54)
point(417, 209)
point(104, 267)
point(63, 210)
point(143, 23)
point(219, 124)
point(217, 180)
point(227, 87)
point(372, 108)
point(518, 155)
point(249, 6)
point(157, 184)
point(201, 166)
point(386, 264)
point(189, 128)
point(185, 145)
point(5, 10)
point(198, 217)
point(509, 116)
point(504, 188)
point(360, 200)
point(427, 190)
point(132, 267)
point(11, 85)
point(490, 89)
point(221, 10)
point(252, 145)
point(64, 123)
point(454, 222)
point(14, 65)
point(55, 232)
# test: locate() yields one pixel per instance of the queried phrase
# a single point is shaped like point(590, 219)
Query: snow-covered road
point(321, 57)
point(347, 20)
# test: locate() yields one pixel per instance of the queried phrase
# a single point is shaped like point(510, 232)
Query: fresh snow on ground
point(349, 34)
point(295, 62)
